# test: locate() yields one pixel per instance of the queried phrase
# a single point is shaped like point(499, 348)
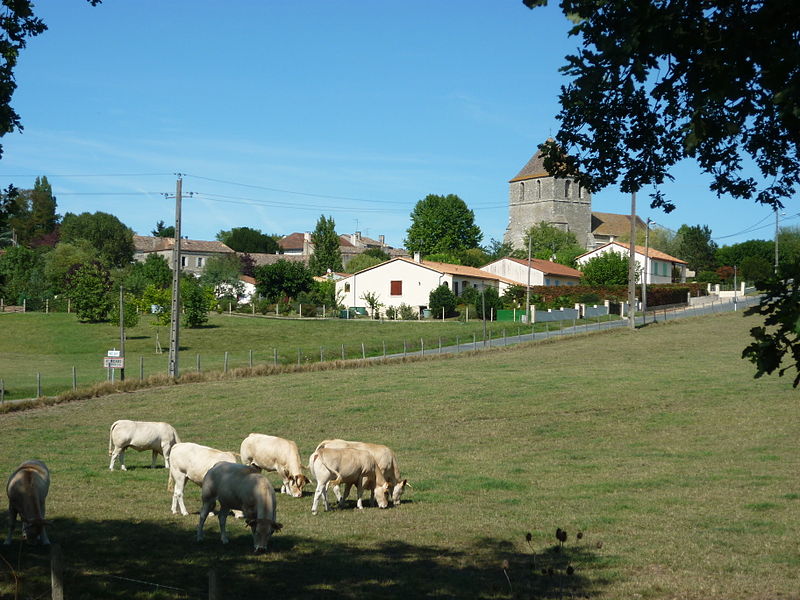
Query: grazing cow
point(276, 454)
point(191, 461)
point(352, 466)
point(385, 460)
point(240, 487)
point(141, 435)
point(27, 489)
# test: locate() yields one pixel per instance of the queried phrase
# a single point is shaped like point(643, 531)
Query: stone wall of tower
point(560, 202)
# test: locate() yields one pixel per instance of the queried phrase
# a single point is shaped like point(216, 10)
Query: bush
point(407, 313)
point(489, 301)
point(89, 287)
point(392, 312)
point(442, 299)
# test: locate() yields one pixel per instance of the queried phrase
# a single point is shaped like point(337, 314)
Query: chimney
point(355, 238)
point(416, 257)
point(306, 243)
point(382, 240)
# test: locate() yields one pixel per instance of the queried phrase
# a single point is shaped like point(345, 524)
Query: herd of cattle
point(238, 487)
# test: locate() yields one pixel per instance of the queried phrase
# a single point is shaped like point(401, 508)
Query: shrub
point(442, 299)
point(392, 312)
point(407, 313)
point(89, 286)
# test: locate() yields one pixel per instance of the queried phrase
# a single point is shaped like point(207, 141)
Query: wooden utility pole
point(122, 332)
point(632, 267)
point(176, 286)
point(528, 292)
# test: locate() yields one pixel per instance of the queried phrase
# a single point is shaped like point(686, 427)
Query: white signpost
point(113, 361)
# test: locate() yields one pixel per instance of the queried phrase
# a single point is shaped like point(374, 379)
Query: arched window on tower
point(538, 188)
point(566, 188)
point(522, 191)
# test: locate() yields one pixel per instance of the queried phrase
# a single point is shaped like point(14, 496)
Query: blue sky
point(278, 112)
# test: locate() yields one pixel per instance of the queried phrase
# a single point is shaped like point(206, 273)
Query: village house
point(657, 266)
point(542, 272)
point(194, 253)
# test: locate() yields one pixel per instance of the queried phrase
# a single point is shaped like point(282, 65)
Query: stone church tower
point(535, 197)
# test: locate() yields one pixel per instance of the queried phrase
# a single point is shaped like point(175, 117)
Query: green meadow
point(678, 469)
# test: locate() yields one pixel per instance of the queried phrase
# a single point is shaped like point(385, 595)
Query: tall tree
point(734, 254)
point(89, 288)
point(327, 251)
point(283, 280)
point(21, 275)
point(109, 236)
point(610, 268)
point(62, 259)
point(548, 242)
point(43, 208)
point(8, 210)
point(441, 224)
point(695, 246)
point(247, 239)
point(162, 231)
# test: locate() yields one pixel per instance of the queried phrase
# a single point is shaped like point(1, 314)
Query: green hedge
point(659, 294)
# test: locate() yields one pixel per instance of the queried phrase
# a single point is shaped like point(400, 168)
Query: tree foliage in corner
point(105, 232)
point(657, 81)
point(327, 252)
point(247, 239)
point(610, 268)
point(441, 224)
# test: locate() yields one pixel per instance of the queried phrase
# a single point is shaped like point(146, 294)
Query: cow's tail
point(338, 479)
point(110, 435)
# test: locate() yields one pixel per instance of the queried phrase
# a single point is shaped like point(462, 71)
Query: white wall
point(417, 283)
point(651, 278)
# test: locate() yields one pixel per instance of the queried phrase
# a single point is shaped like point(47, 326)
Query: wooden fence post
point(212, 584)
point(422, 346)
point(57, 572)
point(251, 359)
point(363, 352)
point(141, 367)
point(275, 356)
point(74, 378)
point(38, 385)
point(225, 366)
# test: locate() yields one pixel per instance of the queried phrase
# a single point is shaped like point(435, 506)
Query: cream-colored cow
point(191, 461)
point(272, 453)
point(351, 466)
point(140, 435)
point(27, 489)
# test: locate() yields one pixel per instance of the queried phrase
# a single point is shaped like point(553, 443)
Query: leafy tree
point(373, 300)
point(34, 216)
point(112, 240)
point(548, 242)
point(755, 268)
point(246, 239)
point(130, 315)
point(222, 273)
point(282, 280)
point(735, 254)
point(361, 262)
point(474, 257)
point(514, 296)
point(327, 252)
point(610, 268)
point(487, 302)
point(162, 231)
point(59, 262)
point(195, 302)
point(660, 238)
point(377, 253)
point(21, 275)
point(442, 224)
point(776, 343)
point(322, 293)
point(497, 250)
point(89, 287)
point(160, 297)
point(8, 209)
point(450, 258)
point(788, 248)
point(442, 298)
point(153, 271)
point(695, 246)
point(248, 264)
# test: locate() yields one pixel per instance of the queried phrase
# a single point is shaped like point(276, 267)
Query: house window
point(200, 261)
point(455, 288)
point(665, 269)
point(346, 287)
point(183, 262)
point(547, 281)
point(396, 288)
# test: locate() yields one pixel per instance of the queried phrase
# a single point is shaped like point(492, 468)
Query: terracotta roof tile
point(651, 252)
point(614, 224)
point(548, 267)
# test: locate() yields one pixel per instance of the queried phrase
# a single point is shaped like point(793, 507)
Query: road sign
point(114, 353)
point(113, 363)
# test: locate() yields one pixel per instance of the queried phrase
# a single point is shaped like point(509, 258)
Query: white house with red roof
point(410, 282)
point(542, 272)
point(657, 266)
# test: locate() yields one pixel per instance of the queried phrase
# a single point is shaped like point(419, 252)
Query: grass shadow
point(144, 559)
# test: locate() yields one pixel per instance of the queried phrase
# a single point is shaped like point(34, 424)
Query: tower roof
point(534, 167)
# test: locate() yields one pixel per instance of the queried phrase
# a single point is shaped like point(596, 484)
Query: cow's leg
point(43, 536)
point(177, 495)
point(153, 460)
point(359, 493)
point(165, 450)
point(208, 504)
point(114, 456)
point(122, 460)
point(321, 492)
point(12, 521)
point(222, 515)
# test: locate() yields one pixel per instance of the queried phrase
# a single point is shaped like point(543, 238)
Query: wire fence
point(494, 334)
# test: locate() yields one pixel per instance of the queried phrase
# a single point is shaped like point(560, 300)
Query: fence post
point(212, 584)
point(38, 385)
point(504, 337)
point(24, 305)
point(474, 340)
point(229, 308)
point(275, 356)
point(384, 348)
point(74, 378)
point(225, 365)
point(57, 572)
point(69, 305)
point(252, 307)
point(404, 348)
point(323, 311)
point(440, 345)
point(141, 367)
point(422, 346)
point(300, 310)
point(197, 362)
point(2, 391)
point(457, 348)
point(251, 358)
point(363, 352)
point(298, 356)
point(47, 306)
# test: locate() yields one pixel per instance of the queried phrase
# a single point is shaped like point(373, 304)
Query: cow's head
point(32, 530)
point(380, 494)
point(296, 485)
point(398, 490)
point(262, 530)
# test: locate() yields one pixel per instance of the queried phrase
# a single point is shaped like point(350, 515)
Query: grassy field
point(52, 344)
point(678, 468)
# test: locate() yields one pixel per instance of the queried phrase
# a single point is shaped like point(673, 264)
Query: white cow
point(141, 435)
point(385, 460)
point(276, 454)
point(352, 466)
point(240, 487)
point(27, 489)
point(191, 461)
